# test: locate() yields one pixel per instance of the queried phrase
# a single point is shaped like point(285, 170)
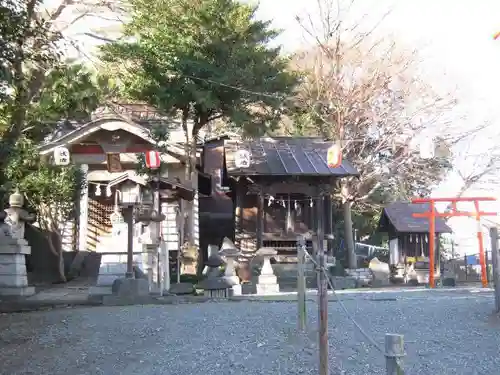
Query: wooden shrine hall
point(275, 188)
point(409, 238)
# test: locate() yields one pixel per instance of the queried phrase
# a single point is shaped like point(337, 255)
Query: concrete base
point(449, 281)
point(13, 276)
point(248, 288)
point(267, 279)
point(181, 288)
point(23, 291)
point(340, 282)
point(114, 265)
point(125, 287)
point(218, 293)
point(237, 290)
point(265, 289)
point(232, 280)
point(380, 283)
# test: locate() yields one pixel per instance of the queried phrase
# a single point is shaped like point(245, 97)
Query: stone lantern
point(267, 283)
point(14, 248)
point(215, 285)
point(231, 253)
point(16, 216)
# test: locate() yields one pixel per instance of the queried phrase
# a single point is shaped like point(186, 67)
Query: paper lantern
point(242, 159)
point(334, 156)
point(61, 156)
point(153, 159)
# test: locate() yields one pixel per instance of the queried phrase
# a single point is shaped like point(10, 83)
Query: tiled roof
point(285, 156)
point(400, 215)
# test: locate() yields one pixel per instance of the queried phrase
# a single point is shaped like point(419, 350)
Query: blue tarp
point(472, 260)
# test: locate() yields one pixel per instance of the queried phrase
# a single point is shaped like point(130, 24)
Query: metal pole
point(394, 353)
point(129, 211)
point(496, 270)
point(322, 294)
point(301, 283)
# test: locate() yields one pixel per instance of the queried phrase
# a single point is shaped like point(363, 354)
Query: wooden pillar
point(320, 215)
point(329, 213)
point(238, 212)
point(260, 220)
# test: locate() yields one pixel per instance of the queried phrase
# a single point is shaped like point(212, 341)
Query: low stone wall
point(114, 266)
point(363, 276)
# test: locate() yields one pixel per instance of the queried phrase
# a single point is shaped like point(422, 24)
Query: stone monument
point(267, 282)
point(215, 285)
point(14, 248)
point(381, 272)
point(229, 251)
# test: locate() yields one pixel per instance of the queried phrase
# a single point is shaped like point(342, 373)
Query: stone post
point(496, 265)
point(14, 248)
point(150, 241)
point(267, 282)
point(231, 253)
point(150, 257)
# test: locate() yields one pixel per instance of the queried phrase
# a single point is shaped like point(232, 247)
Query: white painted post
point(301, 283)
point(166, 265)
point(496, 269)
point(394, 353)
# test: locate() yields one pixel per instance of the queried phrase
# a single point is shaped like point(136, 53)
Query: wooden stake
point(323, 312)
point(301, 283)
point(394, 353)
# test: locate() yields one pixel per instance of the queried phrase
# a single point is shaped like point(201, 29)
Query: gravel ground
point(445, 333)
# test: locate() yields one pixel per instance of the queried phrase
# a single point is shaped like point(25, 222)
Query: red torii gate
point(431, 216)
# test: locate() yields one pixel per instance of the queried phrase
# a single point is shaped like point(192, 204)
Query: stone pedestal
point(127, 288)
point(267, 281)
point(362, 276)
point(13, 275)
point(14, 248)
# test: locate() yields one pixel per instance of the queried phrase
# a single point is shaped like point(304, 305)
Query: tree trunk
point(348, 235)
point(60, 268)
point(55, 245)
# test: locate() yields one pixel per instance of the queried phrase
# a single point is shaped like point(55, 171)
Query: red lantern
point(153, 159)
point(334, 156)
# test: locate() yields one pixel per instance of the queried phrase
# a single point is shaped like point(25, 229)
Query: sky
point(455, 43)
